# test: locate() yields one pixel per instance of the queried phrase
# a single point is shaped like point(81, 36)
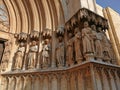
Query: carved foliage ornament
point(22, 37)
point(68, 27)
point(74, 21)
point(60, 31)
point(46, 34)
point(34, 35)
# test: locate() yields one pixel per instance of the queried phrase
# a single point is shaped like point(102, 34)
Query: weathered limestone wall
point(70, 7)
point(114, 20)
point(99, 10)
point(114, 25)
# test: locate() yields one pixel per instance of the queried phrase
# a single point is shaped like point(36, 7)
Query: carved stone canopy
point(34, 35)
point(60, 31)
point(86, 15)
point(68, 27)
point(74, 21)
point(46, 33)
point(22, 37)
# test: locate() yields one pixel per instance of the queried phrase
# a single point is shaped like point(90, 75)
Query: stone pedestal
point(89, 76)
point(89, 57)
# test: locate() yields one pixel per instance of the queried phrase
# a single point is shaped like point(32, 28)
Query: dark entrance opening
point(2, 46)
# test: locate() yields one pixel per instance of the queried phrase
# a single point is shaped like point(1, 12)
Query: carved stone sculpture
point(86, 39)
point(69, 55)
point(77, 46)
point(5, 61)
point(60, 52)
point(93, 37)
point(98, 44)
point(6, 55)
point(19, 56)
point(32, 55)
point(105, 45)
point(111, 53)
point(46, 53)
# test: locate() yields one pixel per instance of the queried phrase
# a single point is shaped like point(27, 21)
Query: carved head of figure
point(70, 35)
point(76, 30)
point(93, 27)
point(34, 43)
point(21, 44)
point(86, 24)
point(46, 41)
point(60, 38)
point(99, 29)
point(19, 53)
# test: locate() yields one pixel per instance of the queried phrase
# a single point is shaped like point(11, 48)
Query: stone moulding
point(81, 67)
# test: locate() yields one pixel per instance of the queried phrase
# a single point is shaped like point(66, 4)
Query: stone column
point(63, 83)
point(105, 82)
point(4, 83)
point(12, 83)
point(59, 82)
point(50, 82)
point(76, 80)
point(36, 83)
point(27, 83)
point(81, 82)
point(68, 82)
point(117, 79)
point(112, 82)
point(92, 70)
point(98, 79)
point(19, 83)
point(45, 83)
point(53, 49)
point(54, 83)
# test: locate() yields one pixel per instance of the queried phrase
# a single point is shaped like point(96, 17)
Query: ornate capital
point(47, 33)
point(34, 35)
point(60, 31)
point(22, 37)
point(74, 21)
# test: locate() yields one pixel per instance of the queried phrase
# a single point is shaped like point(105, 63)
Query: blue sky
point(114, 4)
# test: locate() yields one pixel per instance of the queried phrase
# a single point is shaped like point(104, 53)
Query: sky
point(114, 4)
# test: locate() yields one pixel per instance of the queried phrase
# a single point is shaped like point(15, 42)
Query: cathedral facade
point(58, 45)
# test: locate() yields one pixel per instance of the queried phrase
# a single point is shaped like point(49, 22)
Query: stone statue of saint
point(32, 55)
point(19, 56)
point(5, 60)
point(46, 53)
point(111, 53)
point(60, 52)
point(93, 37)
point(86, 39)
point(6, 55)
point(69, 55)
point(98, 44)
point(105, 45)
point(77, 46)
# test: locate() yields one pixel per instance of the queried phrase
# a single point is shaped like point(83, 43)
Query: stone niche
point(78, 56)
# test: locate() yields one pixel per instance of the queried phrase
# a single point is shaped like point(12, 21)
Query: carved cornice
point(86, 15)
